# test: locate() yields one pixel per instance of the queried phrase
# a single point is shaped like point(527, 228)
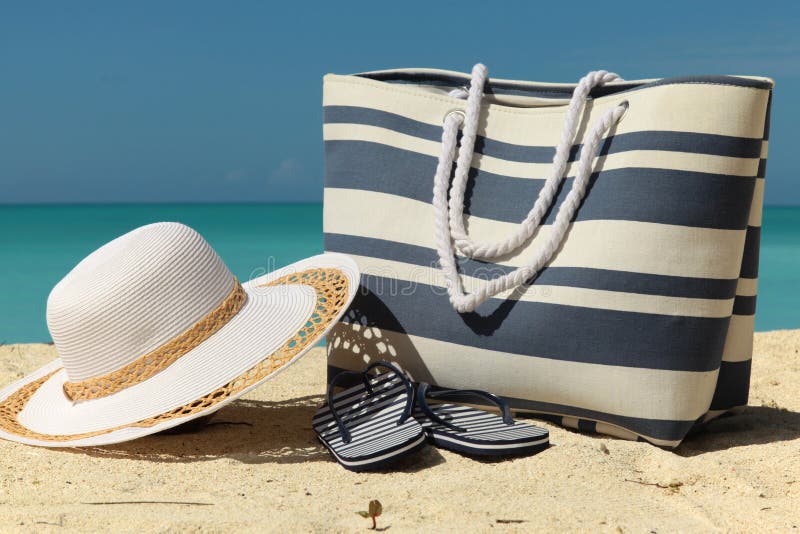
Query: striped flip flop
point(475, 432)
point(370, 425)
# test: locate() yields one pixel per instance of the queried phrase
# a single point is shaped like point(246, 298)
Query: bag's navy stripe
point(762, 168)
point(631, 194)
point(696, 143)
point(733, 385)
point(623, 281)
point(584, 425)
point(744, 305)
point(545, 91)
point(491, 86)
point(557, 331)
point(768, 118)
point(662, 429)
point(752, 244)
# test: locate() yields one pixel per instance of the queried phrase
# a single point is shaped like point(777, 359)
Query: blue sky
point(220, 101)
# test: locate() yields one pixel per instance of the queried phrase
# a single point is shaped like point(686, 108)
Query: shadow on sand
point(249, 431)
point(752, 425)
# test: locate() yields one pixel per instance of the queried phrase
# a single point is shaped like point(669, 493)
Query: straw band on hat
point(153, 330)
point(146, 366)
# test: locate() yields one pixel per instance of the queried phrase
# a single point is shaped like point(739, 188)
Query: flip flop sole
point(372, 421)
point(380, 460)
point(485, 433)
point(488, 449)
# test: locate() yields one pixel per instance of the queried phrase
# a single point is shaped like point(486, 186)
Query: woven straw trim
point(332, 288)
point(159, 359)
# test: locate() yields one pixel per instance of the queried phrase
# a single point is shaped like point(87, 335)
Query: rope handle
point(451, 234)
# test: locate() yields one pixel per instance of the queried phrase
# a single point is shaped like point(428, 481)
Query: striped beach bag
point(588, 251)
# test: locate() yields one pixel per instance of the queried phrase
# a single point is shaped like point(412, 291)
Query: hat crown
point(133, 295)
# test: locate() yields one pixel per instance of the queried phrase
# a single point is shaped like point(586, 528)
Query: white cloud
point(235, 175)
point(287, 169)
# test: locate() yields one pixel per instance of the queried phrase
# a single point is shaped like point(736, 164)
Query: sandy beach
point(258, 467)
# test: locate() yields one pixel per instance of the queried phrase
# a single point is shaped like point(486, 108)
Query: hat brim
point(247, 351)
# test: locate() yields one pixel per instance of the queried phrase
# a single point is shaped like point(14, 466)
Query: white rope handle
point(449, 217)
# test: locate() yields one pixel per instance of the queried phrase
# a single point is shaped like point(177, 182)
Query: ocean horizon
point(40, 243)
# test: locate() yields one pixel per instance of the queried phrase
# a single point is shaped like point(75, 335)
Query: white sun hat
point(152, 330)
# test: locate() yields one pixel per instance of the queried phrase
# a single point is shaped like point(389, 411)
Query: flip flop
point(471, 431)
point(370, 425)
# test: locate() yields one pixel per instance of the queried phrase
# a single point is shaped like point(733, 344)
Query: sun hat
point(152, 330)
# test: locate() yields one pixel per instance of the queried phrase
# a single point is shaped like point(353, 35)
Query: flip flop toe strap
point(424, 392)
point(365, 376)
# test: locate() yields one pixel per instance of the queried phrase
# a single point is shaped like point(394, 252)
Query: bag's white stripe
point(739, 340)
point(747, 287)
point(661, 249)
point(613, 430)
point(757, 206)
point(742, 147)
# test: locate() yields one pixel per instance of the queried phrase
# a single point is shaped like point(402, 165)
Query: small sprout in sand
point(675, 486)
point(604, 448)
point(375, 510)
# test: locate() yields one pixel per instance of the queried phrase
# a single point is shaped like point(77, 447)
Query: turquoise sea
point(39, 244)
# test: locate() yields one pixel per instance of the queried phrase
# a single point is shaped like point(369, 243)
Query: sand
point(260, 469)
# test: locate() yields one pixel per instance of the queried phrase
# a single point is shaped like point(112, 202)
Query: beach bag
point(587, 251)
